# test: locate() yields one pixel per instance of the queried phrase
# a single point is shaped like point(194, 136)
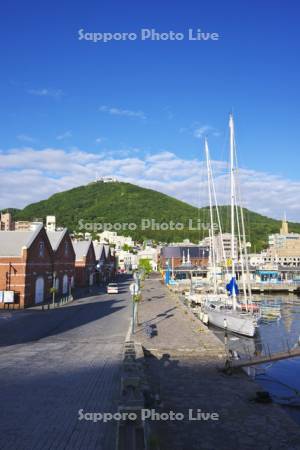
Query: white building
point(111, 237)
point(126, 260)
point(257, 259)
point(220, 249)
point(106, 180)
point(151, 254)
point(51, 223)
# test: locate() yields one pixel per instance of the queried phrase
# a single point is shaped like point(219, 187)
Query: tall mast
point(211, 214)
point(232, 196)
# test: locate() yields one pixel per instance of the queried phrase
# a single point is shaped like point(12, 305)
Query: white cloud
point(26, 138)
point(205, 130)
point(65, 135)
point(28, 175)
point(162, 156)
point(44, 92)
point(122, 112)
point(200, 131)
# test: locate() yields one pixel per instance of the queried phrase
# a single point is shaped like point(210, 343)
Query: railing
point(236, 360)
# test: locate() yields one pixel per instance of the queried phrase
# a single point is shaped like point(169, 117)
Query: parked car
point(112, 288)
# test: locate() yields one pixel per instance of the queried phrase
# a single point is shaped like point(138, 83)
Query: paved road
point(54, 363)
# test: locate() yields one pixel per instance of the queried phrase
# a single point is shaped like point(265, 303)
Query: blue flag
point(232, 285)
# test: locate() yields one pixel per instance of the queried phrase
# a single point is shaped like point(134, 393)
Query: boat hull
point(234, 323)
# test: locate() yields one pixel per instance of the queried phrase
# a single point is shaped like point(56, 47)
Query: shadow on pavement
point(38, 324)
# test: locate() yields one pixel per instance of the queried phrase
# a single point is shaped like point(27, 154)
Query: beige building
point(25, 225)
point(284, 248)
point(6, 222)
point(222, 246)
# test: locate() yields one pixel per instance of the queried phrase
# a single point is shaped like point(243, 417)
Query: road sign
point(134, 289)
point(8, 297)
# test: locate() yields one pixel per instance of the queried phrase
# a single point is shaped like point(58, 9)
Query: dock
point(181, 358)
point(239, 364)
point(288, 288)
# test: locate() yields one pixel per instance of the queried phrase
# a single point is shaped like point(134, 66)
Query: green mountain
point(87, 208)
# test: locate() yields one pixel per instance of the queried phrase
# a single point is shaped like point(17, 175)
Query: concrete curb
point(132, 434)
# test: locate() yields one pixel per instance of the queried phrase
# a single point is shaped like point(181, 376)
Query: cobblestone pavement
point(183, 372)
point(54, 363)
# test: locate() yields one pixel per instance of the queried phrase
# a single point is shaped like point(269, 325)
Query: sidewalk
point(183, 372)
point(176, 330)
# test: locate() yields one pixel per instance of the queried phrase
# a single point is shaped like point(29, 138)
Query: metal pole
point(9, 276)
point(132, 324)
point(232, 195)
point(53, 293)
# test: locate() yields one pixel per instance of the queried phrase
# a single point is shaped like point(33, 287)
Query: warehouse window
point(41, 249)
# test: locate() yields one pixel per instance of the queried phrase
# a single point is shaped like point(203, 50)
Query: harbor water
point(278, 331)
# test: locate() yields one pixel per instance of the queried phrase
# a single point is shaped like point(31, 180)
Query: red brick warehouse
point(63, 260)
point(26, 265)
point(85, 263)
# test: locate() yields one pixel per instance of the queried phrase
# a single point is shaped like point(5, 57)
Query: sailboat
point(229, 315)
point(215, 292)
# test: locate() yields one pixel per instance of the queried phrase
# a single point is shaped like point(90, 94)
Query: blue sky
point(119, 103)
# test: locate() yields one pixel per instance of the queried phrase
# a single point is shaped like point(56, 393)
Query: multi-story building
point(221, 246)
point(111, 237)
point(26, 225)
point(284, 238)
point(284, 247)
point(6, 222)
point(50, 223)
point(283, 250)
point(223, 243)
point(257, 259)
point(126, 260)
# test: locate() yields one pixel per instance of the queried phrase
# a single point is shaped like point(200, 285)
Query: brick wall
point(31, 274)
point(20, 274)
point(84, 268)
point(200, 262)
point(64, 263)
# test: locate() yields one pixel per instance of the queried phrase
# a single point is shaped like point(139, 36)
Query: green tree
point(127, 248)
point(145, 265)
point(82, 209)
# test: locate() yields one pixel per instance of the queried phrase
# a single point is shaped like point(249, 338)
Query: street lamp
point(134, 290)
